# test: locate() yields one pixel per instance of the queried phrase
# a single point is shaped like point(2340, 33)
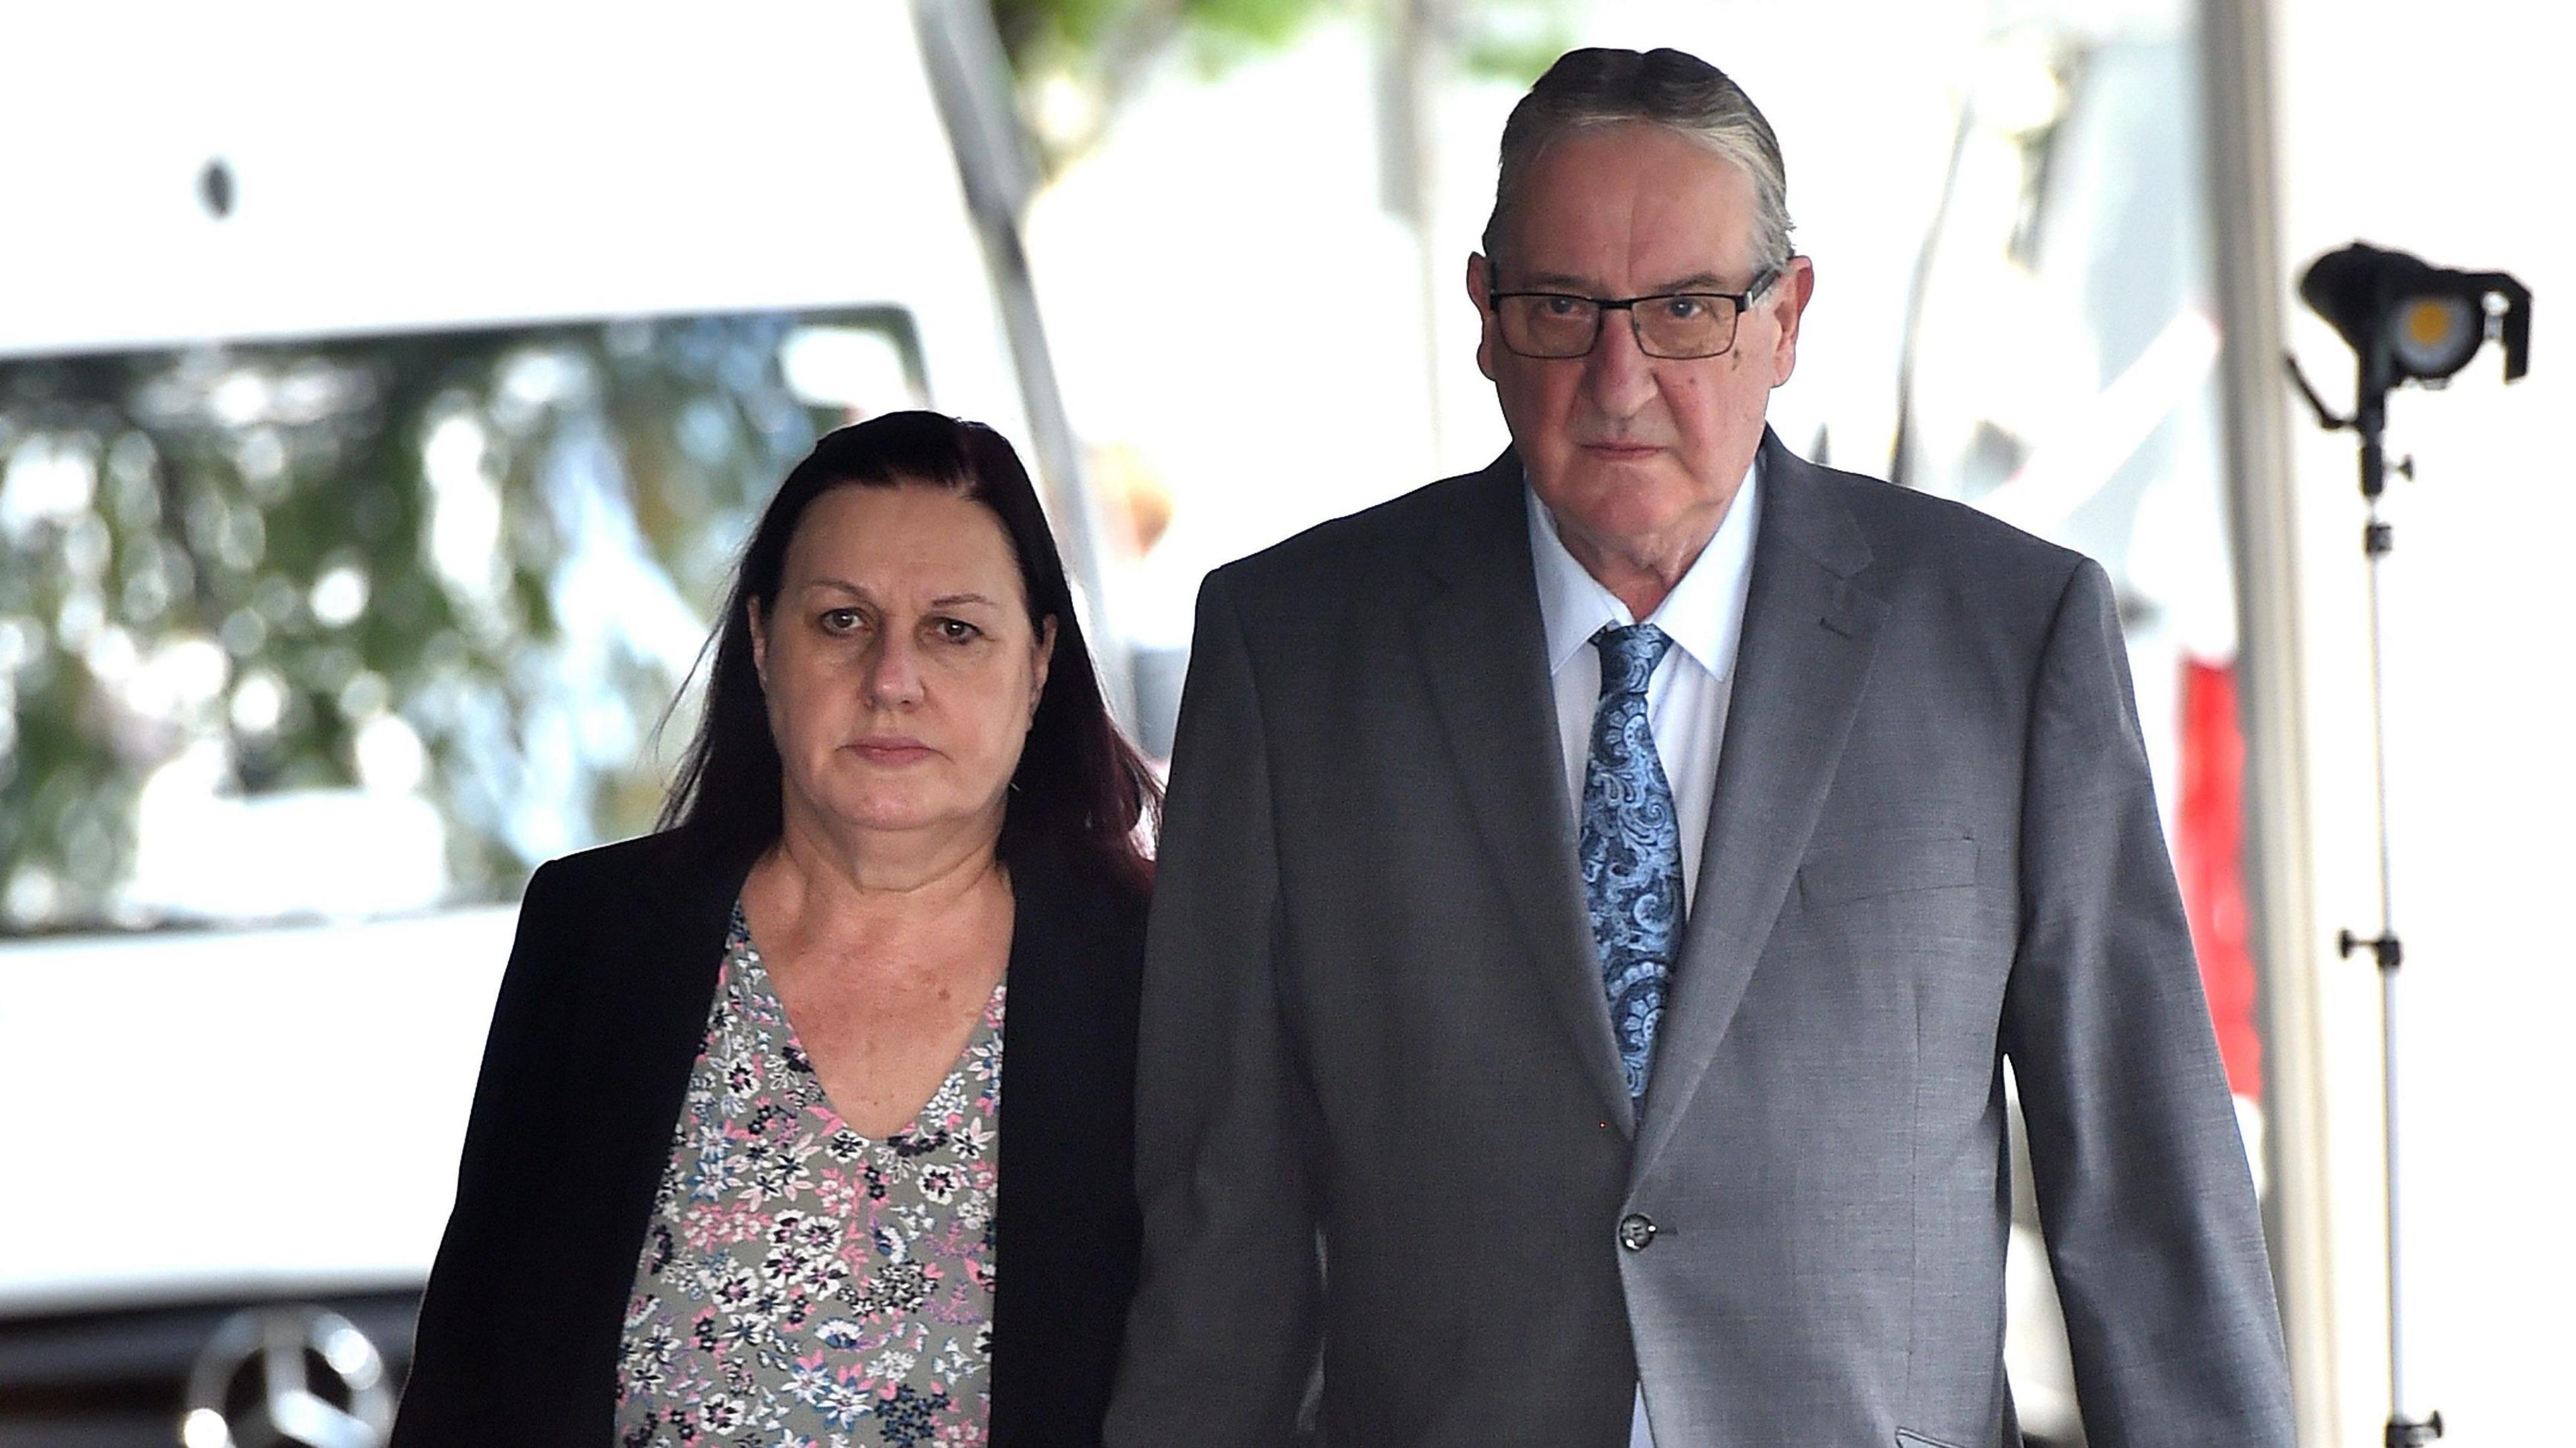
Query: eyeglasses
point(1677, 327)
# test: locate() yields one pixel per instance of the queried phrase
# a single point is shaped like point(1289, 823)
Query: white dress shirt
point(1686, 701)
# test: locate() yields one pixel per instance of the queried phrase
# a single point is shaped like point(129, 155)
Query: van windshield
point(368, 625)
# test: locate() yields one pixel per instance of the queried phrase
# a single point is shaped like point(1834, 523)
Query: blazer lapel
point(654, 978)
point(1484, 654)
point(1809, 632)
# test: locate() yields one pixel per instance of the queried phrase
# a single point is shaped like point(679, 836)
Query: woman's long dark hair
point(1080, 791)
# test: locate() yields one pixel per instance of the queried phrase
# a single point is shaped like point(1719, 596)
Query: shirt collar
point(1703, 615)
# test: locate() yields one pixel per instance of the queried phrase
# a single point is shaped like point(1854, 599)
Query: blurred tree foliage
point(318, 568)
point(1078, 62)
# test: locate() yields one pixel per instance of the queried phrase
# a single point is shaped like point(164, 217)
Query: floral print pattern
point(801, 1285)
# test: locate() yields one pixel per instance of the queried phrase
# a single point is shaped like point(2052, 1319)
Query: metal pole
point(2401, 1431)
point(970, 80)
point(2240, 151)
point(2374, 545)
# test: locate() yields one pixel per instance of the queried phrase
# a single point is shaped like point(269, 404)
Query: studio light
point(2406, 322)
point(2413, 322)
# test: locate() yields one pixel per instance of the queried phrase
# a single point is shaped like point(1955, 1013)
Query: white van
point(382, 395)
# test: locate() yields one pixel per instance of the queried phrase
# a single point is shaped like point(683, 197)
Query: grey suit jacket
point(1384, 1152)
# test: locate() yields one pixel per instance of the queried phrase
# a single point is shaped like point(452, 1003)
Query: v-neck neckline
point(742, 950)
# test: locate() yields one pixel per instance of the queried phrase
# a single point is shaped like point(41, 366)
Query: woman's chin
point(891, 814)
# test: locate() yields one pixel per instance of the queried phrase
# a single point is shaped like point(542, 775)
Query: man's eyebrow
point(1695, 282)
point(1584, 286)
point(1554, 282)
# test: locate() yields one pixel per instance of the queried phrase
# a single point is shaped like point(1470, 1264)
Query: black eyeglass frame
point(1602, 307)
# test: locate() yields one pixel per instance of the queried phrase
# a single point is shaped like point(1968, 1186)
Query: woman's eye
point(840, 620)
point(955, 630)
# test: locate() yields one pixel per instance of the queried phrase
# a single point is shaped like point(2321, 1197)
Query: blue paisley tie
point(1631, 847)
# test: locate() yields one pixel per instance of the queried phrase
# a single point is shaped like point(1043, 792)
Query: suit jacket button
point(1636, 1230)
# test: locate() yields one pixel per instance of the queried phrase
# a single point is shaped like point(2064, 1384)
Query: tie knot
point(1628, 656)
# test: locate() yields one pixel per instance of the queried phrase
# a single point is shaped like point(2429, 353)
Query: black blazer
point(600, 1018)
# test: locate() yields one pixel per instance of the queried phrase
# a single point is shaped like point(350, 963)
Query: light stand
point(2406, 322)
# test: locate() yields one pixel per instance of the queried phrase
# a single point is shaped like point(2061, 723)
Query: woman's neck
point(906, 885)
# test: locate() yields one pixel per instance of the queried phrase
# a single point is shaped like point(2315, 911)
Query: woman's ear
point(1042, 654)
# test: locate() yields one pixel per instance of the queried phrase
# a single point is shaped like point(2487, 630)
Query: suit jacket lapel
point(1484, 654)
point(1809, 632)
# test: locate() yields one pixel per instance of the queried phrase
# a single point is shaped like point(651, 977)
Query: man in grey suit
point(1599, 895)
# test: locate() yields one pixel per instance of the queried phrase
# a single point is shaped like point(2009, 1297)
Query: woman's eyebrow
point(945, 600)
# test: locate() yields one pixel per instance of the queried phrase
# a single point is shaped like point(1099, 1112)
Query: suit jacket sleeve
point(1223, 1337)
point(463, 1373)
point(2144, 1196)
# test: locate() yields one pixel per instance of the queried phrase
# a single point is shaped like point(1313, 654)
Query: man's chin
point(1619, 506)
point(1624, 485)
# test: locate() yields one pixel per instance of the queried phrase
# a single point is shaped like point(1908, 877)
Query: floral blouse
point(801, 1284)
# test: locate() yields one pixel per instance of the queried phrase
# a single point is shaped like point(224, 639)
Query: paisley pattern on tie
point(1631, 847)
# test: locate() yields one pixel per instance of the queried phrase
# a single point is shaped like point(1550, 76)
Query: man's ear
point(1787, 304)
point(1480, 287)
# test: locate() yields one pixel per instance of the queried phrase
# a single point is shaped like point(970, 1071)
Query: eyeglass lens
point(1672, 327)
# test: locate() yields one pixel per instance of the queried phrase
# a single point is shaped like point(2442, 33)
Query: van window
point(374, 624)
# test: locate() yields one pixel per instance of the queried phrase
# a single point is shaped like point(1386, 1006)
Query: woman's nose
point(894, 674)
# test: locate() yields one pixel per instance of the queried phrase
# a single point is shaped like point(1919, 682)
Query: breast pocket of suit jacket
point(1910, 915)
point(1910, 892)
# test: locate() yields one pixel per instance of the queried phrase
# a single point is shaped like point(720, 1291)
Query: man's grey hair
point(1594, 89)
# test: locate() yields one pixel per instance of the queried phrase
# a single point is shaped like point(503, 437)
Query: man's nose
point(894, 672)
point(1617, 375)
